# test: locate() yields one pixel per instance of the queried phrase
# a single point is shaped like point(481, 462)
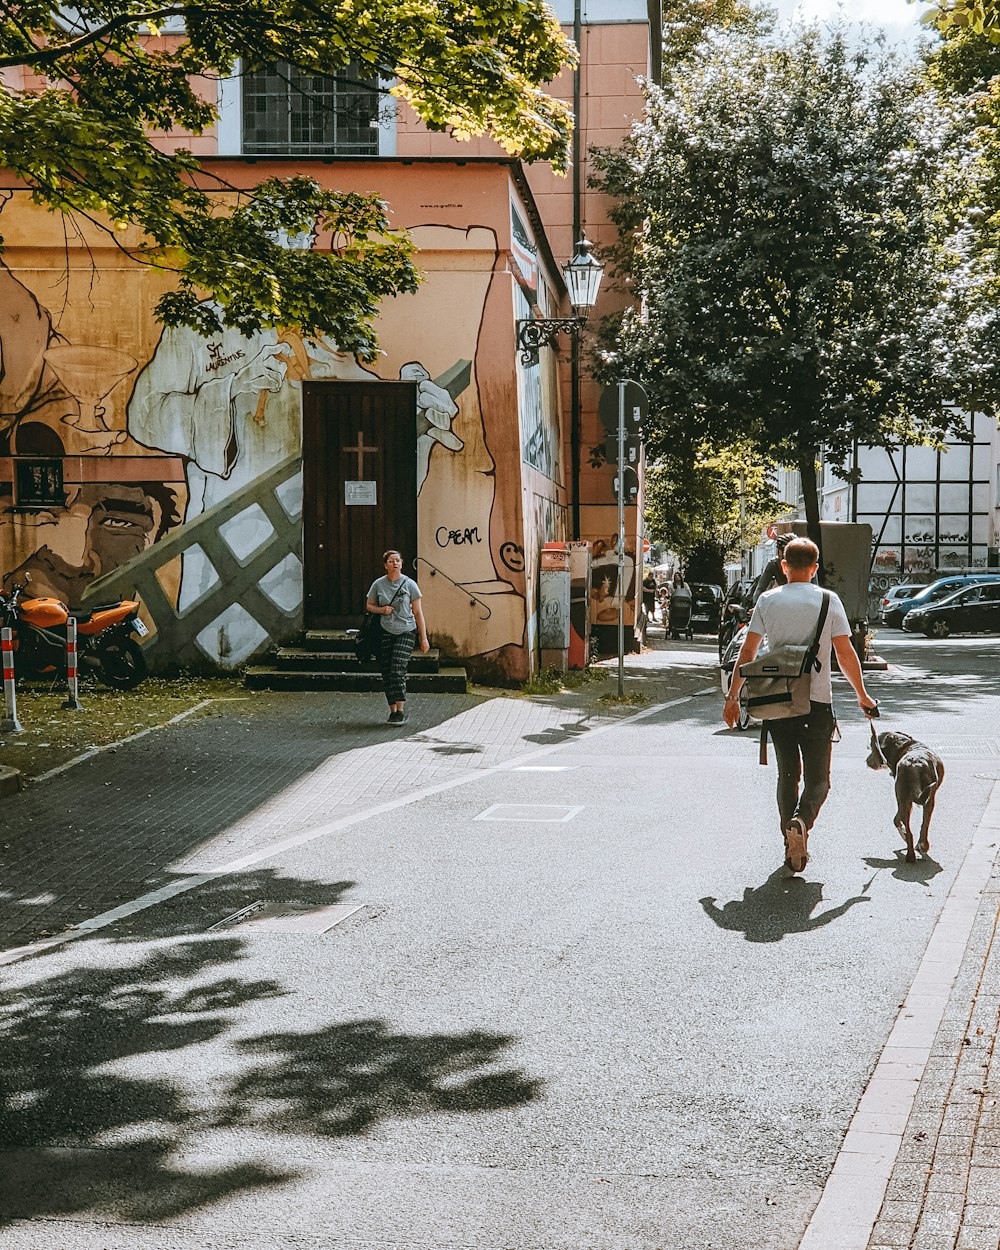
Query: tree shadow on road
point(782, 906)
point(124, 1075)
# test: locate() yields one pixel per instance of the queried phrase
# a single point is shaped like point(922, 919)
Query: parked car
point(706, 607)
point(896, 593)
point(971, 610)
point(934, 593)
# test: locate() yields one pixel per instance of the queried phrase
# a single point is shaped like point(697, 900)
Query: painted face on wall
point(102, 526)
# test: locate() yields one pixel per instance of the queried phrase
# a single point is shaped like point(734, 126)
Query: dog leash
point(872, 715)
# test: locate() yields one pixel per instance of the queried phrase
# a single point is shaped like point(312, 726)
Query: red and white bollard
point(72, 703)
point(10, 724)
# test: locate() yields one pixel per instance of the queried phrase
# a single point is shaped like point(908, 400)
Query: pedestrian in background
point(649, 595)
point(396, 598)
point(789, 614)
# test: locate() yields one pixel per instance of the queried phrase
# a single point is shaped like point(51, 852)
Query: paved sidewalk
point(944, 1190)
point(239, 775)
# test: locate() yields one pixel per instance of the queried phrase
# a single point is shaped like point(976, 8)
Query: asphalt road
point(622, 1030)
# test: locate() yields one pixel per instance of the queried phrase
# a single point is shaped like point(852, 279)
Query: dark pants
point(393, 661)
point(802, 745)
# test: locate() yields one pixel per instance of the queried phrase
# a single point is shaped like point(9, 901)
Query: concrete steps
point(325, 661)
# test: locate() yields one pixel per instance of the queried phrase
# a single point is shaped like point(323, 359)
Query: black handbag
point(366, 644)
point(369, 640)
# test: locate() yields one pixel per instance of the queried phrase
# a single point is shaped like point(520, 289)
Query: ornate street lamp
point(583, 280)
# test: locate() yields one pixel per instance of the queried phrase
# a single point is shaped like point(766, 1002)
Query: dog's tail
point(931, 788)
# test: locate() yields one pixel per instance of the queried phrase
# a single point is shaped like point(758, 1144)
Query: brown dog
point(919, 773)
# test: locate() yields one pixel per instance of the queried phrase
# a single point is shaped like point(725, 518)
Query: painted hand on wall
point(436, 410)
point(266, 372)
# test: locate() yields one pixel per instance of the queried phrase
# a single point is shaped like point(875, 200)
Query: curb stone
point(10, 781)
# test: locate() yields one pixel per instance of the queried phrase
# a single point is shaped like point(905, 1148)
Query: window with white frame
point(287, 112)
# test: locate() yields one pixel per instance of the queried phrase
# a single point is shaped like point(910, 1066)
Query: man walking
point(788, 615)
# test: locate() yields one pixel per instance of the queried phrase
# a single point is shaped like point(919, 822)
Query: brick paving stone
point(934, 1239)
point(893, 1211)
point(892, 1233)
point(984, 1186)
point(948, 1180)
point(908, 1181)
point(949, 1203)
point(982, 1217)
point(977, 1239)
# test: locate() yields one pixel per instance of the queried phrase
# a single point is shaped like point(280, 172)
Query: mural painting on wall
point(606, 593)
point(218, 422)
point(62, 404)
point(537, 384)
point(471, 572)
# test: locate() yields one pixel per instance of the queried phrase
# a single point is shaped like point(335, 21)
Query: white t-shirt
point(790, 614)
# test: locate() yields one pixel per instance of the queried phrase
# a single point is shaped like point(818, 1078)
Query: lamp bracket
point(536, 332)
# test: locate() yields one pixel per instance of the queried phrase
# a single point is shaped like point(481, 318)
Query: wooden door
point(359, 483)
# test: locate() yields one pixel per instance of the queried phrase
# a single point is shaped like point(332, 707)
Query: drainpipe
point(654, 12)
point(574, 367)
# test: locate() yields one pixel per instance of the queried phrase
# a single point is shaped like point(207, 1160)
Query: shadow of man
point(781, 906)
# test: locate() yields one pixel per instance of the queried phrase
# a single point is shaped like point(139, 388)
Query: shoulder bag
point(777, 683)
point(368, 641)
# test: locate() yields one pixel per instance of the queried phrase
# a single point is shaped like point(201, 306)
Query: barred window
point(287, 112)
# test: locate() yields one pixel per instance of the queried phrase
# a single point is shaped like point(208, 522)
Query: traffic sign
point(635, 407)
point(647, 546)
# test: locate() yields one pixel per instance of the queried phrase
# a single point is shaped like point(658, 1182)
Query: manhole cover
point(965, 746)
point(288, 917)
point(546, 812)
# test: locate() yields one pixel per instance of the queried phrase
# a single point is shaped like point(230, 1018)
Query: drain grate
point(550, 813)
point(288, 917)
point(968, 747)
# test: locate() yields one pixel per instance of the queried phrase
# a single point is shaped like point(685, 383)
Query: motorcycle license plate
point(139, 628)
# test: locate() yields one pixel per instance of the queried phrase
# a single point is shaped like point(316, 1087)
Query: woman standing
point(397, 600)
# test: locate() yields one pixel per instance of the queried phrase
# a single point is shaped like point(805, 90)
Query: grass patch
point(545, 681)
point(623, 700)
point(578, 678)
point(554, 681)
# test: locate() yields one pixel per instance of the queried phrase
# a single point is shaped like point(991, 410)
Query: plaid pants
point(394, 658)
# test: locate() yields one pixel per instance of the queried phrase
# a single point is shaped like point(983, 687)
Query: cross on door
point(360, 451)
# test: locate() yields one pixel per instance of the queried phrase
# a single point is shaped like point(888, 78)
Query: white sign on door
point(360, 493)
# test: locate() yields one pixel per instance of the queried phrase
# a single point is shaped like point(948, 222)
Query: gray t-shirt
point(382, 591)
point(790, 614)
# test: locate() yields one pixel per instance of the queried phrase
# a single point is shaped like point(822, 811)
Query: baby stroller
point(680, 616)
point(728, 665)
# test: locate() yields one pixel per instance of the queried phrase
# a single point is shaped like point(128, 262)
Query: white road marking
point(183, 884)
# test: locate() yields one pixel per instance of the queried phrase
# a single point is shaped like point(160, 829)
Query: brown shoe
point(796, 842)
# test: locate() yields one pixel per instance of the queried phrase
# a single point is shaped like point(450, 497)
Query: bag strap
point(812, 655)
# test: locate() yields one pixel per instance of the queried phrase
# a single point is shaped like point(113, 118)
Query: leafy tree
point(981, 17)
point(696, 497)
point(806, 259)
point(81, 88)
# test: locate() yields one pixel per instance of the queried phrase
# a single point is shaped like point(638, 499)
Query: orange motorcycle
point(104, 638)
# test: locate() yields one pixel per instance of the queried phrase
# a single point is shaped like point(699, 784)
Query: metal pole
point(72, 703)
point(621, 538)
point(743, 514)
point(10, 724)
